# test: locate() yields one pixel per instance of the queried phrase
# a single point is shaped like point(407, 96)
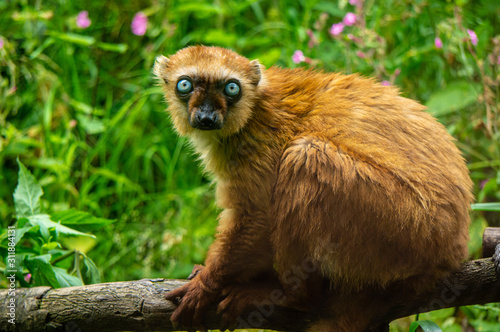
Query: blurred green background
point(79, 108)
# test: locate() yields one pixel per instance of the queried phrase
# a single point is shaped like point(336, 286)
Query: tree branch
point(140, 305)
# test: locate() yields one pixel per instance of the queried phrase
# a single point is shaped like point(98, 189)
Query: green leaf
point(76, 217)
point(90, 272)
point(453, 97)
point(65, 279)
point(51, 245)
point(426, 325)
point(21, 231)
point(74, 38)
point(43, 220)
point(90, 125)
point(486, 207)
point(41, 271)
point(119, 48)
point(27, 194)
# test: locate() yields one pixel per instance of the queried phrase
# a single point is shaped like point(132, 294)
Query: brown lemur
point(332, 186)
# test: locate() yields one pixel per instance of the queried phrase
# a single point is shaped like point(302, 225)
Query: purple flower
point(385, 83)
point(438, 43)
point(360, 54)
point(298, 57)
point(82, 20)
point(2, 42)
point(349, 19)
point(27, 277)
point(473, 37)
point(139, 24)
point(337, 29)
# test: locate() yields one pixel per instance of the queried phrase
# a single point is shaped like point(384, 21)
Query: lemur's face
point(209, 89)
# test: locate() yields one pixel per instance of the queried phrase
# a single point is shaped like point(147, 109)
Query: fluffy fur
point(333, 187)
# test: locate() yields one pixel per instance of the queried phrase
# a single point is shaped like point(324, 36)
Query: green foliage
point(79, 107)
point(425, 325)
point(39, 240)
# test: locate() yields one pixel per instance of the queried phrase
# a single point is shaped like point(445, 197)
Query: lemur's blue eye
point(232, 89)
point(184, 86)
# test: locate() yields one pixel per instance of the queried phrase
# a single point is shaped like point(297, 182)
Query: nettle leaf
point(20, 233)
point(27, 194)
point(90, 272)
point(65, 279)
point(42, 272)
point(43, 220)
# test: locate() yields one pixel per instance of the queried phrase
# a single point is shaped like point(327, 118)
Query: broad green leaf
point(42, 272)
point(453, 97)
point(27, 194)
point(486, 207)
point(43, 220)
point(426, 325)
point(80, 243)
point(76, 217)
point(65, 279)
point(90, 272)
point(21, 231)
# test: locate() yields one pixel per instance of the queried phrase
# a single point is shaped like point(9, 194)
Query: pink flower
point(82, 20)
point(337, 29)
point(438, 43)
point(349, 19)
point(27, 277)
point(139, 24)
point(361, 54)
point(298, 57)
point(385, 83)
point(473, 37)
point(2, 42)
point(498, 60)
point(355, 2)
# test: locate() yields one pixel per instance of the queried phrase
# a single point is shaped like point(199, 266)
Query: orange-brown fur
point(332, 187)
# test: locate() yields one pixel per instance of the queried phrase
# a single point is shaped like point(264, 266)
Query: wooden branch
point(491, 237)
point(140, 306)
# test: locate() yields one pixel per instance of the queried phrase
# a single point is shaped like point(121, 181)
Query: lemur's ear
point(160, 67)
point(256, 69)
